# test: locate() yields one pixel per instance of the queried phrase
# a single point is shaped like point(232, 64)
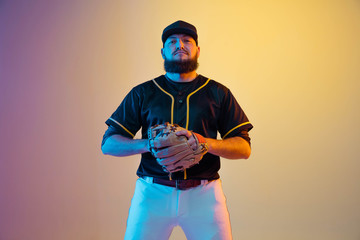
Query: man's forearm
point(120, 146)
point(231, 148)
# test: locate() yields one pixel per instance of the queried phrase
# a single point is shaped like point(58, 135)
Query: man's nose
point(179, 44)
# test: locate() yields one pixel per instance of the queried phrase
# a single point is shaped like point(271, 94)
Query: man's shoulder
point(214, 84)
point(147, 84)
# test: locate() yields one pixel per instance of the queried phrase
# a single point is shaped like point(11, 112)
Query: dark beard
point(181, 66)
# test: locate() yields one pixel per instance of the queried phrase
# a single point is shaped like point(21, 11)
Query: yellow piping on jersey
point(187, 112)
point(122, 127)
point(235, 128)
point(172, 101)
point(188, 100)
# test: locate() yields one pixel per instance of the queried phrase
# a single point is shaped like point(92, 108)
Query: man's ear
point(162, 53)
point(198, 52)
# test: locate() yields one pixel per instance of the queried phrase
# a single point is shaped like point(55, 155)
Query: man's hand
point(190, 136)
point(176, 148)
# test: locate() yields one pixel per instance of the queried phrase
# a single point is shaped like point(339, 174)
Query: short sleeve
point(126, 118)
point(233, 120)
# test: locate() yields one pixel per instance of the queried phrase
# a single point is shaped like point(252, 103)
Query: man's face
point(180, 53)
point(180, 47)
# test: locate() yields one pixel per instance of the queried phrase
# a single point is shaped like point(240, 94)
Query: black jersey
point(202, 105)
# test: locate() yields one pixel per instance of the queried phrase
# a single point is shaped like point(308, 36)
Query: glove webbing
point(200, 139)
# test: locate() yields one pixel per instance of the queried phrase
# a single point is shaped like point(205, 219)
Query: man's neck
point(182, 77)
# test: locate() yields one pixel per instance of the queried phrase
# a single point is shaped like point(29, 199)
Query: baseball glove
point(173, 152)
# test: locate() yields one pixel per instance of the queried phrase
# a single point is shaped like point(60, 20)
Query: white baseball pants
point(156, 209)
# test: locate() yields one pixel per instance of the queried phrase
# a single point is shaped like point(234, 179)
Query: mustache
point(184, 51)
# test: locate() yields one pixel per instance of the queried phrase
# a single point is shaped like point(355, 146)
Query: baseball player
point(178, 182)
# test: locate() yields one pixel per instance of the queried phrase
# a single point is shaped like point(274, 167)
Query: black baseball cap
point(179, 27)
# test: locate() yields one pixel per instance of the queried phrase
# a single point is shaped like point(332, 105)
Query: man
point(195, 103)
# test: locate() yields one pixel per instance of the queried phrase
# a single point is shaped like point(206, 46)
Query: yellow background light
point(293, 66)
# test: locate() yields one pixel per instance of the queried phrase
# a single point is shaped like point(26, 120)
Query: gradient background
point(293, 66)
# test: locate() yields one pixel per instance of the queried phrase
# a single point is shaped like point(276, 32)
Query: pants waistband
point(178, 184)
